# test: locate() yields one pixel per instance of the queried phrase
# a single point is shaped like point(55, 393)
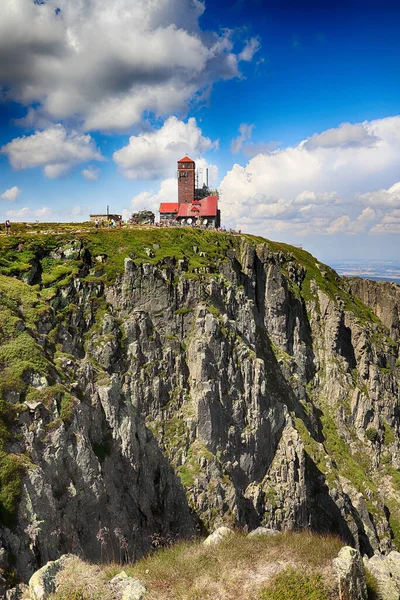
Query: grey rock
point(386, 570)
point(263, 531)
point(127, 588)
point(43, 582)
point(350, 572)
point(217, 536)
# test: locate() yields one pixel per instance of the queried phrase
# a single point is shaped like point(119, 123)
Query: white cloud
point(347, 135)
point(250, 49)
point(244, 135)
point(149, 200)
point(321, 186)
point(202, 166)
point(153, 155)
point(54, 149)
point(308, 197)
point(106, 63)
point(91, 174)
point(11, 194)
point(28, 213)
point(383, 198)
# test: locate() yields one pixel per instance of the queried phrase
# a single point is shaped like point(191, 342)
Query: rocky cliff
point(157, 383)
point(383, 297)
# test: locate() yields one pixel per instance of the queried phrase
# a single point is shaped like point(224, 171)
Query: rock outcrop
point(222, 381)
point(386, 570)
point(351, 575)
point(383, 297)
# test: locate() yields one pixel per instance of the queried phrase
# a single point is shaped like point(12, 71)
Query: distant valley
point(378, 270)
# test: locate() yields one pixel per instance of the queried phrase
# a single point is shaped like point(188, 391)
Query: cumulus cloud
point(153, 155)
point(244, 135)
point(322, 185)
point(28, 213)
point(54, 149)
point(150, 200)
point(107, 63)
point(11, 194)
point(347, 135)
point(91, 174)
point(389, 198)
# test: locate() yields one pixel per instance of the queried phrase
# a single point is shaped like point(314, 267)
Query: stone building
point(104, 218)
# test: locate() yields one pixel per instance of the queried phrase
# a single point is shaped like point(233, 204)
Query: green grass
point(294, 584)
point(372, 586)
point(12, 468)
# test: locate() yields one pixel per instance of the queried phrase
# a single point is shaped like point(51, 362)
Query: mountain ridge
point(167, 381)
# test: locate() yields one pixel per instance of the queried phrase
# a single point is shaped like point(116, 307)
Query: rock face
point(173, 395)
point(383, 298)
point(351, 575)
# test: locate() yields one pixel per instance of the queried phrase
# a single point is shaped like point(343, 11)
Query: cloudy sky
point(294, 108)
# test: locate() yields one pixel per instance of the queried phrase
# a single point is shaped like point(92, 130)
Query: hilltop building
point(195, 206)
point(105, 218)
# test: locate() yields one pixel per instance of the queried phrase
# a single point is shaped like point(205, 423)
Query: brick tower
point(186, 180)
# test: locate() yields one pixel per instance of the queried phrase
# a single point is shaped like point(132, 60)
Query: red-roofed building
point(189, 210)
point(168, 210)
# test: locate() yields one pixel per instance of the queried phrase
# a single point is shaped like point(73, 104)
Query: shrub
point(293, 584)
point(372, 434)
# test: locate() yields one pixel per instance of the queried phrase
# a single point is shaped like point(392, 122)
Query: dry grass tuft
point(238, 567)
point(79, 580)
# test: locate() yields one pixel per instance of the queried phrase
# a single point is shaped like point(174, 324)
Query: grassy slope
point(282, 567)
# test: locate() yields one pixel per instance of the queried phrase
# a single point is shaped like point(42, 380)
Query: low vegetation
point(238, 567)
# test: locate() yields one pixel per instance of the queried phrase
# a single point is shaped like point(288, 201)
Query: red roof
point(186, 159)
point(169, 207)
point(207, 207)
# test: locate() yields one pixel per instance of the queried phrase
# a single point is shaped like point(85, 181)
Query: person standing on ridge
point(8, 227)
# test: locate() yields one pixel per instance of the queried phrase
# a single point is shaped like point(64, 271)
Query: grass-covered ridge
point(44, 243)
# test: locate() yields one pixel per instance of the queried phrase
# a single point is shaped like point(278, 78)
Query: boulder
point(263, 531)
point(127, 588)
point(350, 571)
point(43, 582)
point(386, 570)
point(217, 536)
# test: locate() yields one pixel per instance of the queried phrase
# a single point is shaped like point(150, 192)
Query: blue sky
point(293, 107)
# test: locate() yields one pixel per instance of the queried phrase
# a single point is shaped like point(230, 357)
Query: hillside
point(162, 382)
